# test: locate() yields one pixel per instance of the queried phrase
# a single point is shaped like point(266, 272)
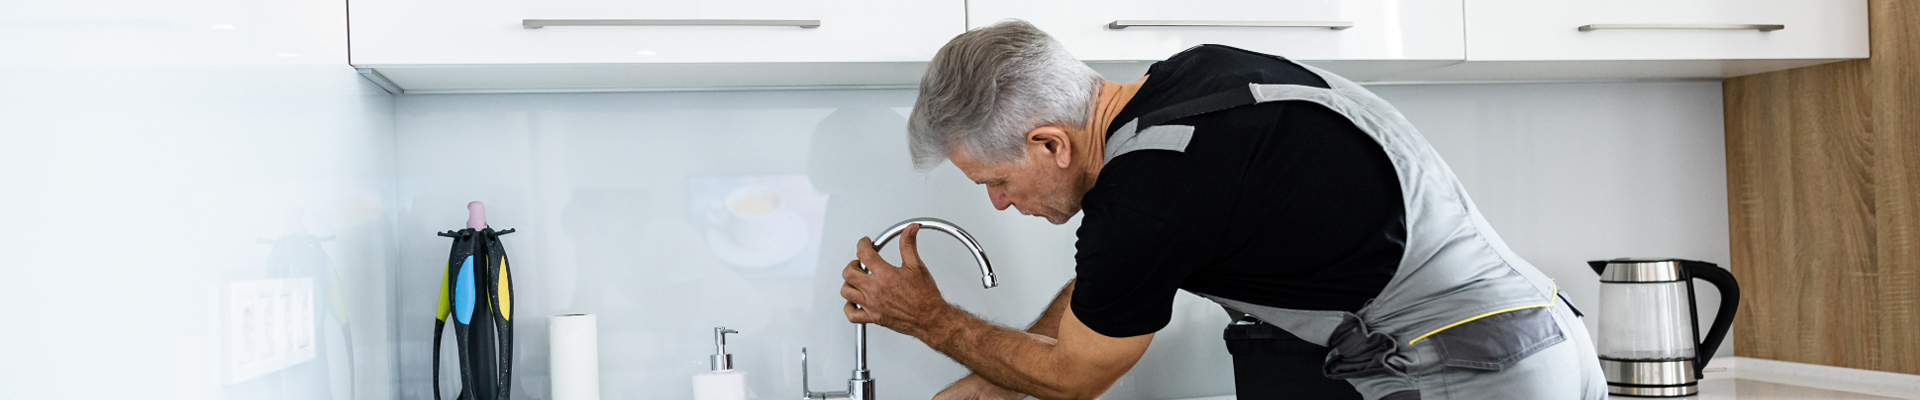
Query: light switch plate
point(270, 326)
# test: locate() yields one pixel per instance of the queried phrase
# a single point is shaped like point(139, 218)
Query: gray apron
point(1462, 318)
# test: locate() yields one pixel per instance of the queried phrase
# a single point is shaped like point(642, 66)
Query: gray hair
point(987, 87)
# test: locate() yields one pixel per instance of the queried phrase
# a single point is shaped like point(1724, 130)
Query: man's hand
point(1079, 364)
point(973, 387)
point(904, 299)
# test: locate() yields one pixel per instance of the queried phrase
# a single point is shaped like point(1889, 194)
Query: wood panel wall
point(1823, 175)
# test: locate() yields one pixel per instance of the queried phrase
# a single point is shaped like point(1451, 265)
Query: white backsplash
point(196, 202)
point(599, 187)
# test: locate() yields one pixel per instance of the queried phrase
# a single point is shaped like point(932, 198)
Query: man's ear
point(1051, 144)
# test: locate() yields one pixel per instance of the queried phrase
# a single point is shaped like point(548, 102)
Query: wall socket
point(270, 326)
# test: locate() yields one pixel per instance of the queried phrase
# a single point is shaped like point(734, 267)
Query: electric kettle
point(1648, 323)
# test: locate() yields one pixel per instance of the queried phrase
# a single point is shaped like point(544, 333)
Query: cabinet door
point(442, 32)
point(1379, 29)
point(1499, 30)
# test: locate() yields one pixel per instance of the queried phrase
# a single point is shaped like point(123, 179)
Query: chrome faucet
point(860, 387)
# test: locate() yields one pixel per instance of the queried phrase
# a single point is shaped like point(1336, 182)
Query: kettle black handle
point(1729, 302)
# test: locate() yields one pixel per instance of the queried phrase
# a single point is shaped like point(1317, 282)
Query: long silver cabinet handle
point(1758, 27)
point(542, 23)
point(1128, 23)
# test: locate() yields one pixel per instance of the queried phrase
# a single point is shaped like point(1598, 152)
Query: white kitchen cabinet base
point(1298, 29)
point(577, 78)
point(1594, 71)
point(495, 32)
point(1357, 71)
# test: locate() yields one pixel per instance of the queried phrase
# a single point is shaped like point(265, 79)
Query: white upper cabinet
point(469, 32)
point(449, 46)
point(1331, 30)
point(1547, 30)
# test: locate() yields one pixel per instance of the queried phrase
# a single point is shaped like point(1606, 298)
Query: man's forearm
point(1048, 324)
point(1016, 360)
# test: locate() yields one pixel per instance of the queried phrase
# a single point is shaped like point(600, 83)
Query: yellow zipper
point(1550, 300)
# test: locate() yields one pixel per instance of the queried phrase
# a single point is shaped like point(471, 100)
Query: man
point(1291, 196)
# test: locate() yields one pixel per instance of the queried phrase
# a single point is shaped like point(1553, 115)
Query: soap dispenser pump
point(720, 382)
point(720, 360)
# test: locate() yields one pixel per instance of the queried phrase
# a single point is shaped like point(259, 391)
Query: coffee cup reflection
point(749, 216)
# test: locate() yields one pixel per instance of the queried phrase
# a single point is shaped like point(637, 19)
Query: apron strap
point(1205, 104)
point(1315, 326)
point(1147, 133)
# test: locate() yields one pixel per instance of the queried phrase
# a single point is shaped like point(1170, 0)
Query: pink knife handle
point(476, 215)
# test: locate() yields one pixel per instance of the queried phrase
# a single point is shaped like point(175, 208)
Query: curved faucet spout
point(987, 279)
point(861, 385)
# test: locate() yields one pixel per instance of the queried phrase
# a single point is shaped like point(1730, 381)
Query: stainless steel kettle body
point(1648, 323)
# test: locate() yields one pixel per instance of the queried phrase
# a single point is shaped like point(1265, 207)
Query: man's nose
point(999, 199)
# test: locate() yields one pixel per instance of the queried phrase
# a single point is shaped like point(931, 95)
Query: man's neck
point(1113, 97)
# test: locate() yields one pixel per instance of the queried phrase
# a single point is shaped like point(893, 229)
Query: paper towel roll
point(574, 356)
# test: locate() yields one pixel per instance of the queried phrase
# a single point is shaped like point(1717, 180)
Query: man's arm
point(1081, 363)
point(1048, 324)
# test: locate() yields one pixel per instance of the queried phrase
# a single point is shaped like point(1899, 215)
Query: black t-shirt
point(1284, 204)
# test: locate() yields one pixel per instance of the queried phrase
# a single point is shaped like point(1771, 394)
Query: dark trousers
point(1270, 363)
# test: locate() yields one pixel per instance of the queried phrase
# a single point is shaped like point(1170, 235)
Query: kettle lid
point(1627, 269)
point(1636, 260)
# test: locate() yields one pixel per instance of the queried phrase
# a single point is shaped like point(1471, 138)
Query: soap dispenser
point(720, 382)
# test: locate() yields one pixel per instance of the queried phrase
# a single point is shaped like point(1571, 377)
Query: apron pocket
point(1497, 341)
point(1359, 352)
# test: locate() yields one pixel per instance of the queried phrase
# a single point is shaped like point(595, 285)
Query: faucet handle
point(807, 393)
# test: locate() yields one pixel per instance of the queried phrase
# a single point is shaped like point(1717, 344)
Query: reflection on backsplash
point(760, 225)
point(294, 320)
point(300, 314)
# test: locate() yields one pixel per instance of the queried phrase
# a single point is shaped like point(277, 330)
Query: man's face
point(1033, 184)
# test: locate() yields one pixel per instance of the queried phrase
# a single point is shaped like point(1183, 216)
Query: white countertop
point(1760, 379)
point(1728, 389)
point(1742, 389)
